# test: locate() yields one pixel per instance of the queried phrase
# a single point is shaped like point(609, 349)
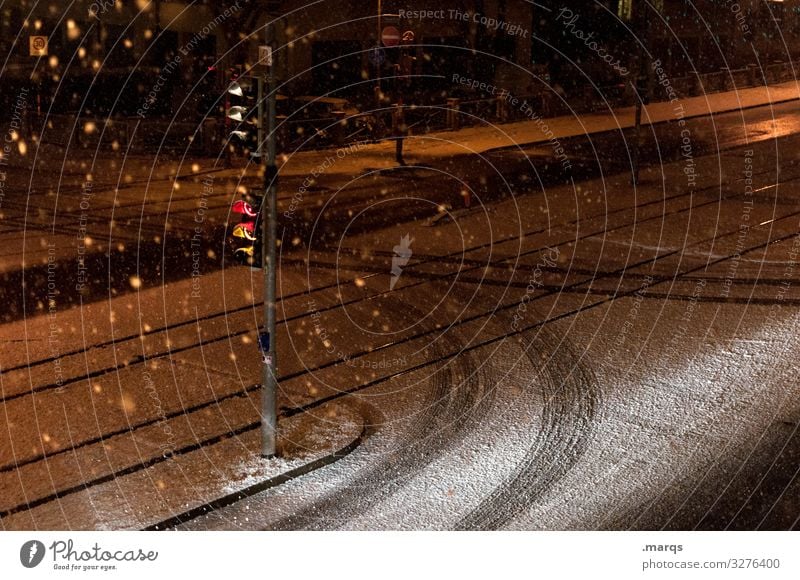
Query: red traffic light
point(245, 237)
point(244, 208)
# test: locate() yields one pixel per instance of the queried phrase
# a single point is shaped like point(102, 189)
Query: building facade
point(108, 57)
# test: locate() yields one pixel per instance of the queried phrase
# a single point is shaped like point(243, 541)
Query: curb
point(520, 145)
point(256, 488)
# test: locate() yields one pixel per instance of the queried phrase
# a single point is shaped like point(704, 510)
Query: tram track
point(425, 364)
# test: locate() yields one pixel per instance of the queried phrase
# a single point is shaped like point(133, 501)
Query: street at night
point(535, 268)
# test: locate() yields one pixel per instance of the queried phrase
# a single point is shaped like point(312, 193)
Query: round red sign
point(390, 36)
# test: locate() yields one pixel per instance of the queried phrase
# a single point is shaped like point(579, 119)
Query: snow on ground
point(661, 422)
point(615, 417)
point(650, 397)
point(188, 480)
point(418, 470)
point(683, 404)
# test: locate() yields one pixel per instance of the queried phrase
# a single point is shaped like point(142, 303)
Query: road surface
point(566, 354)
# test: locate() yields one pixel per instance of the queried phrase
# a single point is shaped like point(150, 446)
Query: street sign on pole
point(37, 45)
point(263, 347)
point(265, 55)
point(390, 36)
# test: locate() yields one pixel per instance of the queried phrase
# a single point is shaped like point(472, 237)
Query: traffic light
point(243, 108)
point(246, 238)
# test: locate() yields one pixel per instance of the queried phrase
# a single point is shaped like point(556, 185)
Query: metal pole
point(228, 78)
point(378, 64)
point(269, 381)
point(642, 88)
point(260, 128)
point(637, 137)
point(399, 121)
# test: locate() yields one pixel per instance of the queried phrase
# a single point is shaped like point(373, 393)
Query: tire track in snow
point(457, 400)
point(571, 402)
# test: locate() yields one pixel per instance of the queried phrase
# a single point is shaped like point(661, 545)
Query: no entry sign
point(390, 36)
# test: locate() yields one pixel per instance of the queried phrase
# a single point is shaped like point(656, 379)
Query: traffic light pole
point(379, 64)
point(269, 380)
point(642, 86)
point(637, 137)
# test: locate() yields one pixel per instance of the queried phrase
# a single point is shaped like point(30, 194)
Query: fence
point(207, 137)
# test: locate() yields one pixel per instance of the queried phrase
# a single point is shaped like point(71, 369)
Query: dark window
point(445, 56)
point(336, 64)
point(114, 49)
point(10, 26)
point(163, 47)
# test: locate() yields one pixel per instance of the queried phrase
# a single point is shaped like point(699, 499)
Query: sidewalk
point(433, 147)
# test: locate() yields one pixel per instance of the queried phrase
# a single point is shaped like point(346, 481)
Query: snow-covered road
point(579, 358)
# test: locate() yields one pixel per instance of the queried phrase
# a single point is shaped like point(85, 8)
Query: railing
point(728, 79)
point(207, 138)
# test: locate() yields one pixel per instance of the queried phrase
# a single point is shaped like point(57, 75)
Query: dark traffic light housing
point(242, 109)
